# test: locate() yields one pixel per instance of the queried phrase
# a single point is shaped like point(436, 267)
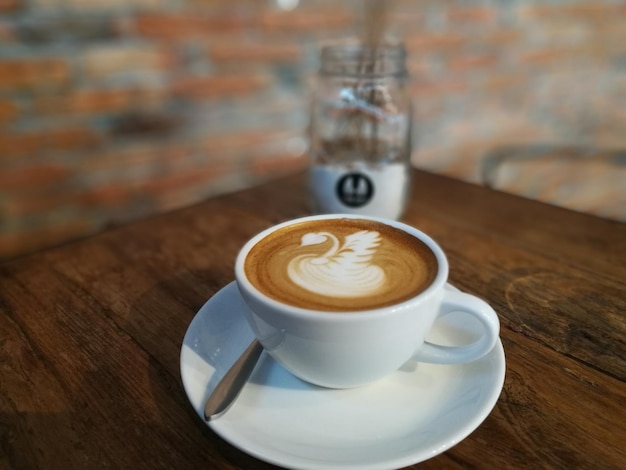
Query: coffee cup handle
point(455, 301)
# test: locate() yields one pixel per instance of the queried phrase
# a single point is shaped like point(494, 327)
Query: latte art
point(344, 270)
point(340, 265)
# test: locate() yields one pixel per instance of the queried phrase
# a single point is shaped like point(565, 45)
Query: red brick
point(113, 162)
point(420, 88)
point(221, 5)
point(9, 6)
point(187, 25)
point(238, 140)
point(589, 9)
point(504, 81)
point(189, 186)
point(186, 179)
point(434, 42)
point(30, 203)
point(106, 196)
point(33, 73)
point(501, 38)
point(14, 144)
point(19, 144)
point(99, 101)
point(581, 11)
point(107, 60)
point(611, 37)
point(543, 56)
point(7, 32)
point(473, 14)
point(218, 86)
point(180, 197)
point(254, 52)
point(419, 66)
point(96, 6)
point(405, 19)
point(428, 157)
point(306, 20)
point(475, 61)
point(33, 177)
point(538, 11)
point(428, 109)
point(277, 164)
point(8, 110)
point(71, 138)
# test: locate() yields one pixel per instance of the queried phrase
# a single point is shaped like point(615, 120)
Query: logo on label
point(355, 189)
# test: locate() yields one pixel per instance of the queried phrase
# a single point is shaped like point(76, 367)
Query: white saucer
point(412, 415)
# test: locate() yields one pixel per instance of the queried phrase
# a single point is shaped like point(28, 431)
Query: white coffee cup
point(349, 349)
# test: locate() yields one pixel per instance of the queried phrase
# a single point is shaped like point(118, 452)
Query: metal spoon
point(228, 389)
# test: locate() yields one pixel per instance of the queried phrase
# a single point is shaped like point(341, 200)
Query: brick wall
point(114, 110)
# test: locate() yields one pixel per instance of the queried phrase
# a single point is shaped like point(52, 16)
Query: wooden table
point(90, 333)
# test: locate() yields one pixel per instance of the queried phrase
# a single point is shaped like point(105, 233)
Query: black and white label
point(355, 189)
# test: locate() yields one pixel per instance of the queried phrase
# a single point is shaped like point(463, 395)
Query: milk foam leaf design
point(342, 271)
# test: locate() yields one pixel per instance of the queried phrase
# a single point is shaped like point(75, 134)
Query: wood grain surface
point(90, 332)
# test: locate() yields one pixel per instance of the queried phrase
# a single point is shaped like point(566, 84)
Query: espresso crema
point(340, 265)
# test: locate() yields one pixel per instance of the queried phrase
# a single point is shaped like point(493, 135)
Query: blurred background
point(113, 110)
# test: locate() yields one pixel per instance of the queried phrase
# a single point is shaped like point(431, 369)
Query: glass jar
point(360, 131)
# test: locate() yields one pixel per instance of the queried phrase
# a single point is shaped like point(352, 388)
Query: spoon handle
point(231, 384)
